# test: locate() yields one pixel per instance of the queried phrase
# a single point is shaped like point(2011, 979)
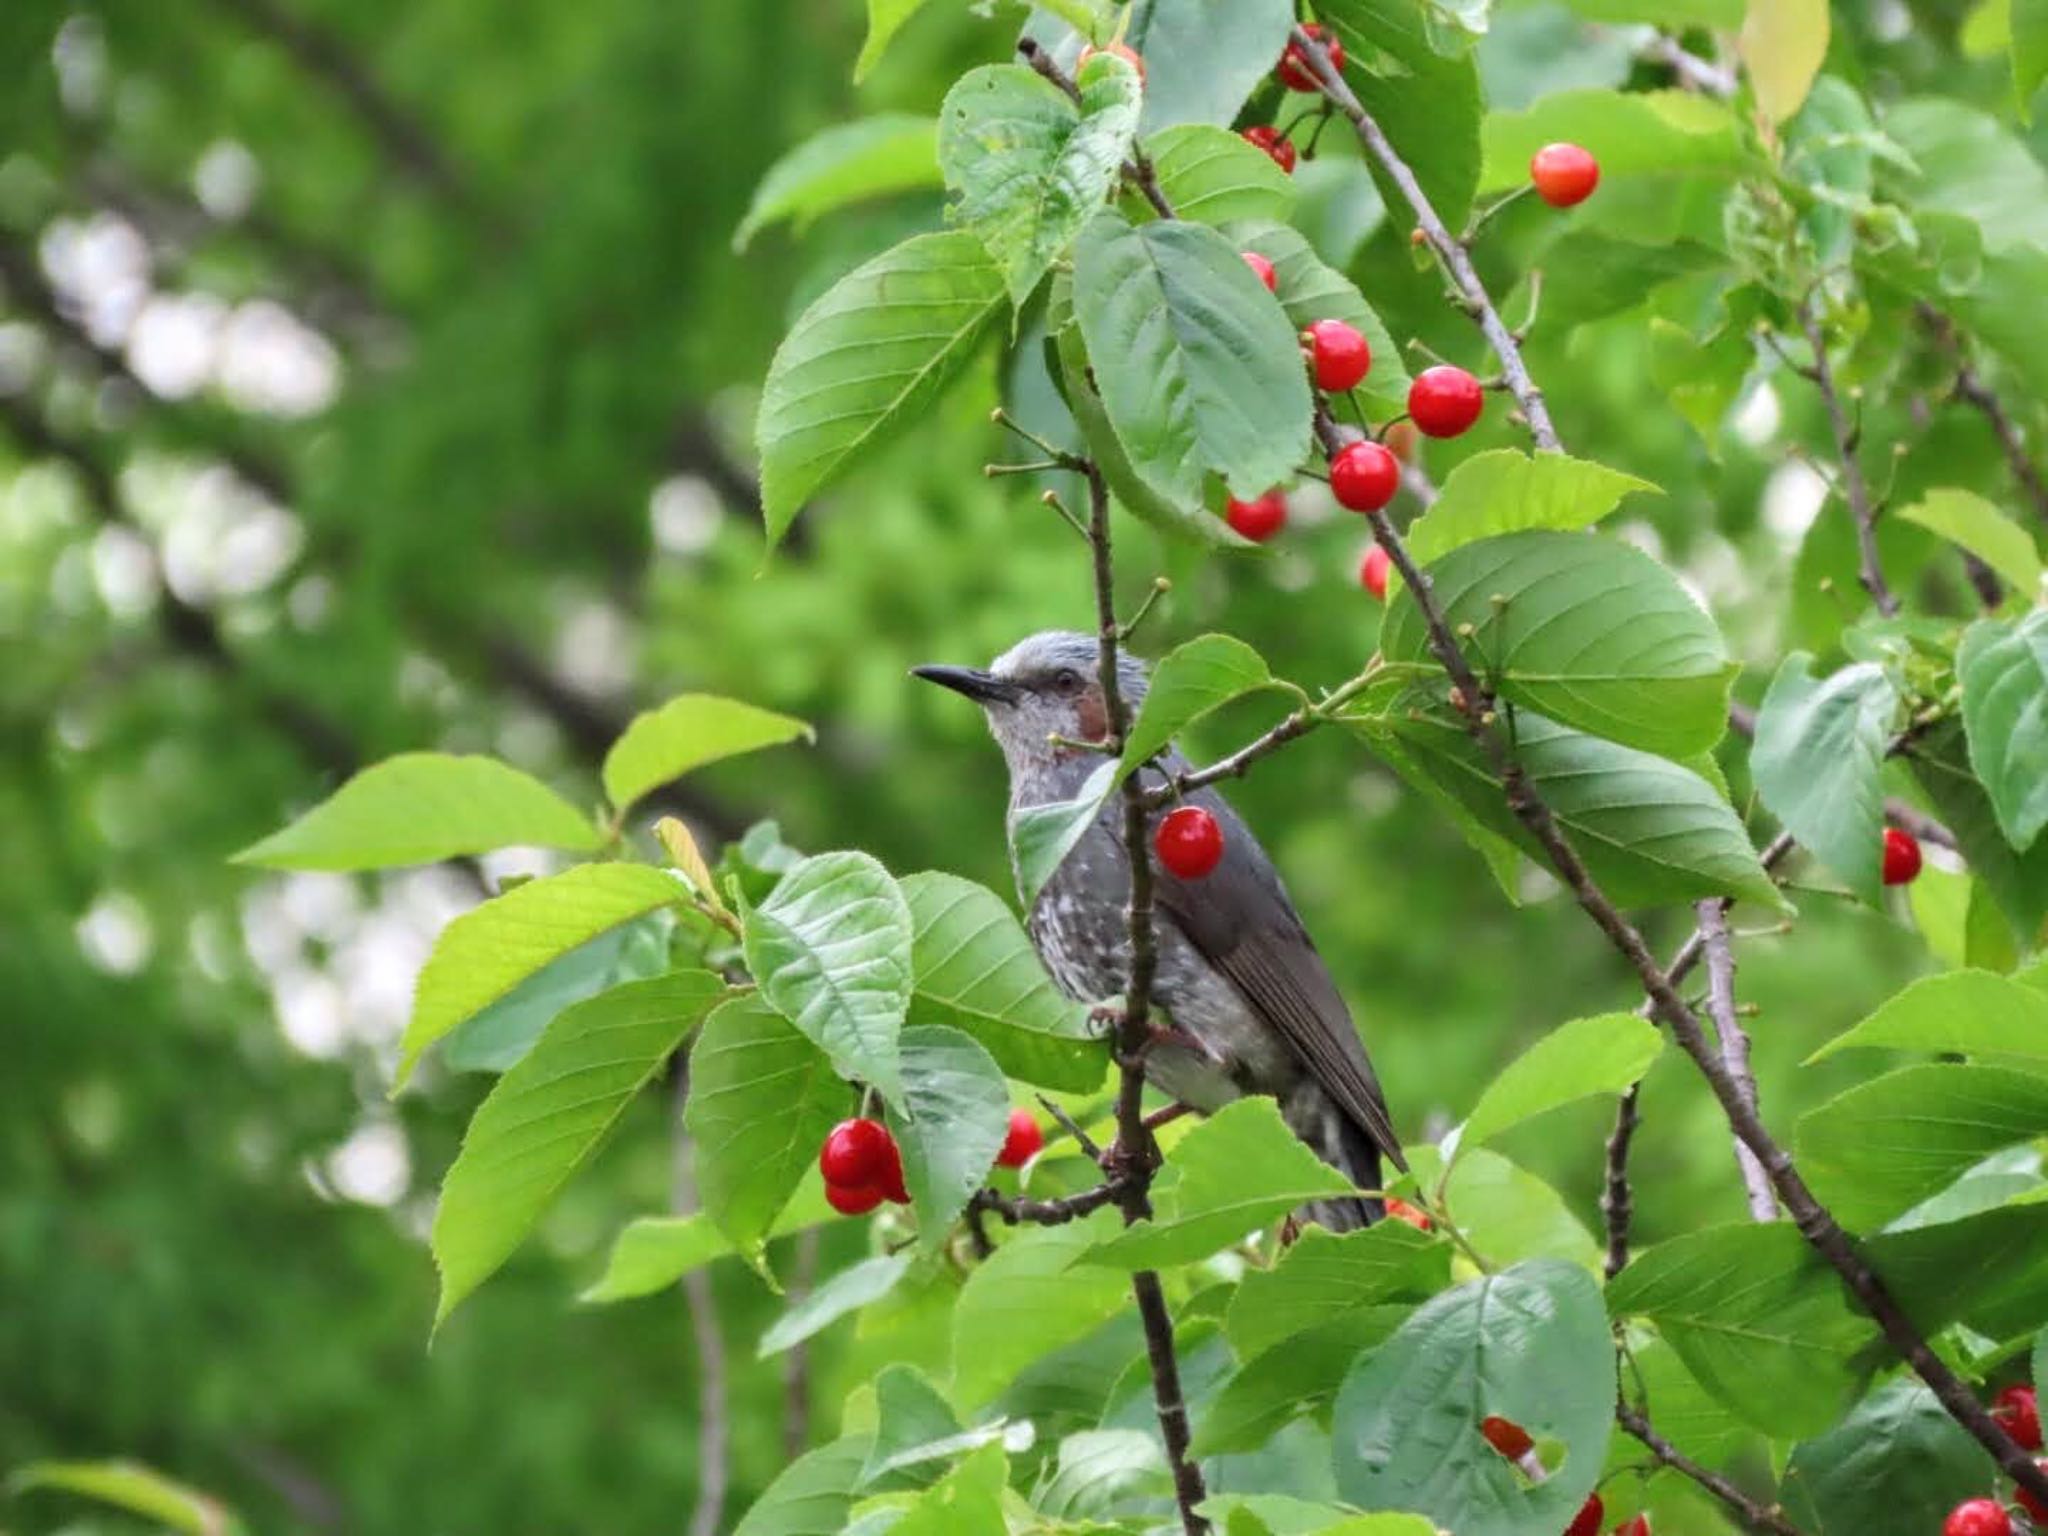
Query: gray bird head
point(1042, 687)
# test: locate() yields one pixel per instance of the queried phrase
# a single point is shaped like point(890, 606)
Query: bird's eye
point(1067, 680)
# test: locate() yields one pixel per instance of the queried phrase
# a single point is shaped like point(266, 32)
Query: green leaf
point(420, 807)
point(490, 949)
point(1309, 290)
point(915, 1424)
point(867, 358)
point(495, 1038)
point(1960, 922)
point(1041, 836)
point(1987, 1269)
point(1884, 1146)
point(845, 164)
point(848, 1291)
point(1597, 274)
point(1213, 176)
point(831, 950)
point(762, 1098)
point(1232, 1174)
point(1505, 1211)
point(1326, 1274)
point(1591, 632)
point(1898, 1462)
point(685, 733)
point(1759, 1319)
point(1968, 520)
point(1427, 102)
point(1196, 364)
point(1190, 682)
point(1283, 1515)
point(1599, 1055)
point(130, 1486)
point(813, 1495)
point(2004, 672)
point(2029, 52)
point(1529, 1344)
point(651, 1253)
point(1818, 763)
point(1204, 57)
point(1028, 1300)
point(1649, 830)
point(1971, 165)
point(2018, 882)
point(976, 970)
point(959, 1114)
point(1631, 133)
point(885, 19)
point(1724, 15)
point(1506, 491)
point(1100, 1471)
point(1301, 1375)
point(1027, 166)
point(549, 1114)
point(1972, 1012)
point(1783, 43)
point(968, 1501)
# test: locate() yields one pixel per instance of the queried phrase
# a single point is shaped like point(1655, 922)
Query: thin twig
point(1016, 1210)
point(1971, 388)
point(1713, 931)
point(1457, 261)
point(1754, 1515)
point(1854, 486)
point(1617, 1204)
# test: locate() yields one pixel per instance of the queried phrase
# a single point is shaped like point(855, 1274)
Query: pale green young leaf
point(959, 1113)
point(1505, 1211)
point(493, 1038)
point(1966, 519)
point(1191, 681)
point(762, 1098)
point(967, 1501)
point(1783, 43)
point(2029, 25)
point(1310, 290)
point(1631, 133)
point(1237, 1171)
point(1214, 176)
point(1197, 366)
point(831, 1299)
point(1590, 632)
point(1506, 491)
point(1326, 1274)
point(2004, 672)
point(1041, 836)
point(1282, 1514)
point(133, 1488)
point(845, 164)
point(1028, 1300)
point(483, 954)
point(1973, 1013)
point(1818, 763)
point(687, 732)
point(652, 1253)
point(976, 970)
point(864, 360)
point(1599, 1055)
point(1427, 102)
point(1529, 1344)
point(885, 19)
point(420, 807)
point(549, 1114)
point(1027, 165)
point(1724, 15)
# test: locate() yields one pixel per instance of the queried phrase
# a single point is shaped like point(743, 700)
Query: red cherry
point(1401, 1210)
point(1506, 1436)
point(1587, 1521)
point(1372, 572)
point(1269, 139)
point(1260, 518)
point(1637, 1525)
point(1901, 857)
point(1340, 354)
point(856, 1152)
point(853, 1199)
point(1189, 842)
point(1293, 70)
point(2020, 1412)
point(1023, 1142)
point(1364, 476)
point(1264, 268)
point(1123, 51)
point(1444, 401)
point(1977, 1517)
point(1564, 174)
point(2032, 1505)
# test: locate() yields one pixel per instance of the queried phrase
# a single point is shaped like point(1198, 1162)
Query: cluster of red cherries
point(863, 1166)
point(2018, 1412)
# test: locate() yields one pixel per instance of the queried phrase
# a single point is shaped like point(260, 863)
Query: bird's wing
point(1240, 917)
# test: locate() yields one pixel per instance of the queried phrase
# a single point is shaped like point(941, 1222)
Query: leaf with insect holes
point(1027, 165)
point(1818, 763)
point(866, 359)
point(845, 164)
point(1195, 362)
point(550, 1113)
point(422, 807)
point(685, 733)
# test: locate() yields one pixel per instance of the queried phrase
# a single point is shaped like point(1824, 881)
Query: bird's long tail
point(1334, 1137)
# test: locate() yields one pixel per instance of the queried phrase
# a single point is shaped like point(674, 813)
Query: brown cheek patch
point(1094, 718)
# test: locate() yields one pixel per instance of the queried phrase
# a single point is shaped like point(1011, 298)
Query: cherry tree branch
point(1713, 932)
point(1971, 388)
point(1015, 1210)
point(1847, 434)
point(1457, 261)
point(1756, 1516)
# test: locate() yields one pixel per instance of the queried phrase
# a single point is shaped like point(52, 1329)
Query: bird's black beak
point(982, 687)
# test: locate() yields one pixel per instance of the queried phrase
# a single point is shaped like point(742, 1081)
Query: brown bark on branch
point(1720, 955)
point(1753, 1515)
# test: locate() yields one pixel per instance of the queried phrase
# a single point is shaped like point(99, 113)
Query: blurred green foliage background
point(377, 376)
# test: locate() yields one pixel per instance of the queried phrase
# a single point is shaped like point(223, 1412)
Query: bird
point(1250, 1004)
